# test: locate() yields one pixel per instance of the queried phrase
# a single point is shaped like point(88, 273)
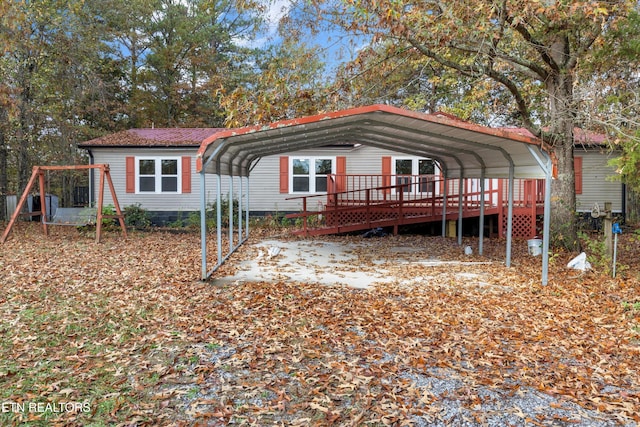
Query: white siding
point(264, 179)
point(115, 158)
point(265, 195)
point(597, 186)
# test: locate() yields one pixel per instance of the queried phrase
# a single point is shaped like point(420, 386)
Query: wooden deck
point(362, 202)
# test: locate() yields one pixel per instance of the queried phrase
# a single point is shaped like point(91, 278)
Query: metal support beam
point(481, 219)
point(240, 197)
point(203, 224)
point(545, 162)
point(219, 217)
point(246, 222)
point(510, 216)
point(230, 198)
point(461, 189)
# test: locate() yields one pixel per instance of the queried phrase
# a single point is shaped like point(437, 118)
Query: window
point(309, 174)
point(414, 174)
point(158, 175)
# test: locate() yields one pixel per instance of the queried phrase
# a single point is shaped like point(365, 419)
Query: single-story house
point(156, 169)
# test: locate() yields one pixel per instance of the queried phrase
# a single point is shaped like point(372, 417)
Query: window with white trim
point(309, 174)
point(158, 175)
point(417, 173)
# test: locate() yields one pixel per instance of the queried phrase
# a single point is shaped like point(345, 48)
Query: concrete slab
point(323, 262)
point(354, 264)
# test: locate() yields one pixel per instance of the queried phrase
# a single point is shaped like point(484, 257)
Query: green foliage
point(136, 217)
point(108, 223)
point(192, 221)
point(631, 306)
point(596, 251)
point(271, 222)
point(212, 216)
point(628, 164)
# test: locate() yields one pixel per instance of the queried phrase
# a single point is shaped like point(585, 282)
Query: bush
point(136, 217)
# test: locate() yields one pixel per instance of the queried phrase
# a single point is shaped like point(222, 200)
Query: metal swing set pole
point(38, 172)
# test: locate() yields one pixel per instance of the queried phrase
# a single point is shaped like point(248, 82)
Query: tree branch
point(471, 71)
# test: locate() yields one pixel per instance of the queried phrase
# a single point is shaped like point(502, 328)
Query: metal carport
point(463, 150)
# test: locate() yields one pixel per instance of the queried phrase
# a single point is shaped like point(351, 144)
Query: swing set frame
point(39, 174)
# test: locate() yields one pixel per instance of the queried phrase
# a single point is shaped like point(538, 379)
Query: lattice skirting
point(521, 225)
point(357, 217)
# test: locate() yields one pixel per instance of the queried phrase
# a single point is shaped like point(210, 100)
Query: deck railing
point(402, 195)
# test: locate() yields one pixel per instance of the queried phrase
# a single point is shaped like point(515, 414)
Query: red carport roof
point(462, 148)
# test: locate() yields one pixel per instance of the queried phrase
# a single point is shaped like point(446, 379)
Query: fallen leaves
point(127, 327)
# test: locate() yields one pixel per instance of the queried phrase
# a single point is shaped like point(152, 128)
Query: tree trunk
point(564, 231)
point(4, 178)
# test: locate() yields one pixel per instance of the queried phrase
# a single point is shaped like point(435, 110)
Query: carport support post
point(481, 220)
point(461, 189)
point(230, 213)
point(546, 223)
point(240, 211)
point(509, 216)
point(246, 213)
point(219, 216)
point(203, 224)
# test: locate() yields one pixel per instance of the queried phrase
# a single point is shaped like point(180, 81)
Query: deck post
point(444, 206)
point(367, 197)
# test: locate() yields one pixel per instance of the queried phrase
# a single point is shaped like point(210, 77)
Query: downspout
point(92, 161)
point(624, 203)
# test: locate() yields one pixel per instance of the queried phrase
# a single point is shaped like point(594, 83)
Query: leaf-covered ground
point(123, 333)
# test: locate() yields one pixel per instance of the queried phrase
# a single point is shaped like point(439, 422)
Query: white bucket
point(535, 246)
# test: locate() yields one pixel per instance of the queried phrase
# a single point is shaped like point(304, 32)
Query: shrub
point(136, 217)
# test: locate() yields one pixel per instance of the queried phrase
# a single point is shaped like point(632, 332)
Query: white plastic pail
point(535, 247)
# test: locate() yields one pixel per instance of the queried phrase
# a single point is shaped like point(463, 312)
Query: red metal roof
point(157, 137)
point(581, 136)
point(460, 147)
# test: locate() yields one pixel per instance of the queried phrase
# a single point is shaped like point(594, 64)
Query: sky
point(336, 47)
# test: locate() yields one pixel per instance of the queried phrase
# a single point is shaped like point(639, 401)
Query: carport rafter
point(457, 145)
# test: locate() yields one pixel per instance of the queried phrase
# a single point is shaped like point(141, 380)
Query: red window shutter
point(284, 174)
point(386, 173)
point(577, 169)
point(341, 170)
point(130, 173)
point(186, 174)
